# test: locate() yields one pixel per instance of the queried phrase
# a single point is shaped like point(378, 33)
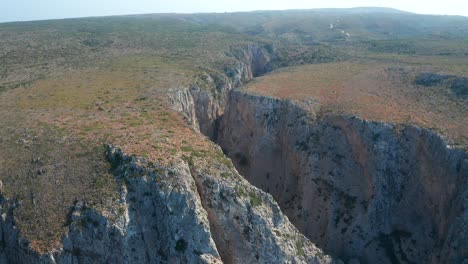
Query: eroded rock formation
point(202, 106)
point(373, 191)
point(365, 191)
point(177, 214)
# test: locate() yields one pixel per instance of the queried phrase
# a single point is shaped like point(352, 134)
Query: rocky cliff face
point(367, 191)
point(197, 210)
point(159, 219)
point(370, 191)
point(178, 214)
point(202, 106)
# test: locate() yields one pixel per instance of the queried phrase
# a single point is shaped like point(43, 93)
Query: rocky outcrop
point(182, 101)
point(160, 219)
point(370, 191)
point(177, 214)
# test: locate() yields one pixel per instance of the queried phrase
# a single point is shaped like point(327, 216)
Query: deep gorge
point(368, 191)
point(318, 136)
point(363, 191)
point(359, 189)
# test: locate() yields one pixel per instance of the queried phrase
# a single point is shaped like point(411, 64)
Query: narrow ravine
point(368, 191)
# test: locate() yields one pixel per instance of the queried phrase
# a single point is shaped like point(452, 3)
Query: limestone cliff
point(203, 103)
point(159, 219)
point(195, 210)
point(372, 191)
point(177, 214)
point(369, 191)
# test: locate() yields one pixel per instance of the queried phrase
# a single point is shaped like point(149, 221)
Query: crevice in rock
point(161, 202)
point(216, 228)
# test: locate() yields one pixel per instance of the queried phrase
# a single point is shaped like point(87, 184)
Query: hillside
point(148, 138)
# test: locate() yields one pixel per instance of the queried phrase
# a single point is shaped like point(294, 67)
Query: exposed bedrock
point(202, 106)
point(184, 213)
point(370, 191)
point(177, 214)
point(159, 219)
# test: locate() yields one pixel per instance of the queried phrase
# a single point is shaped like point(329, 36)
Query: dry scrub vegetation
point(375, 90)
point(68, 87)
point(53, 133)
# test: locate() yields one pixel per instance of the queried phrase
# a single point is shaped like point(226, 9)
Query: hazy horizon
point(31, 10)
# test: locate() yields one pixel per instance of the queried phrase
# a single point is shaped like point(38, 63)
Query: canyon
point(234, 138)
point(362, 190)
point(358, 189)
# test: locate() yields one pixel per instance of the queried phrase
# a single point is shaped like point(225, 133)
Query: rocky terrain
point(180, 214)
point(366, 190)
point(161, 142)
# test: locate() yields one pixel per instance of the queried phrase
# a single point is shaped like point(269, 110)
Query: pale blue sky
point(20, 10)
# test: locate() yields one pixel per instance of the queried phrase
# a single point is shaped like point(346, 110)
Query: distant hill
point(361, 23)
point(360, 10)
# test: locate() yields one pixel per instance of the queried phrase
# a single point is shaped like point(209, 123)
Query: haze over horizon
point(28, 10)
